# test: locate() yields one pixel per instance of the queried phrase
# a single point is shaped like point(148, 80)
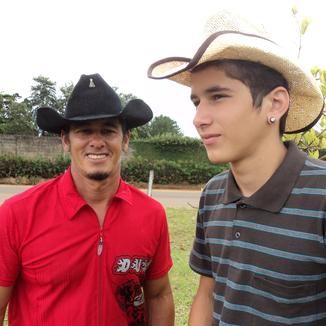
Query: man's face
point(230, 127)
point(96, 148)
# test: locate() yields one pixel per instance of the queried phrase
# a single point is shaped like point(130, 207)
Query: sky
point(119, 39)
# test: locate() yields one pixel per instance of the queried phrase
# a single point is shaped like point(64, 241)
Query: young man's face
point(96, 148)
point(230, 127)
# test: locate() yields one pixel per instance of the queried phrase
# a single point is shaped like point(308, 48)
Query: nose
point(97, 140)
point(202, 116)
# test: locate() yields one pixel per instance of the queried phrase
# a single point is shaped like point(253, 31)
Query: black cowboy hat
point(92, 98)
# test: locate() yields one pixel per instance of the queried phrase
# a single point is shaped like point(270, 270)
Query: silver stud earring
point(271, 120)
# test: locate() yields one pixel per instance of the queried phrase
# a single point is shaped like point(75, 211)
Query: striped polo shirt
point(267, 252)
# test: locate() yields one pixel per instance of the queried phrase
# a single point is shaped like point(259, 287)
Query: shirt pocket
point(283, 303)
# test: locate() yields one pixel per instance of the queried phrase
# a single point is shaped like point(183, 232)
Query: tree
point(164, 125)
point(124, 98)
point(15, 117)
point(43, 93)
point(63, 98)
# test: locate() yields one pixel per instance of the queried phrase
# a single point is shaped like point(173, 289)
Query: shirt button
point(243, 206)
point(237, 235)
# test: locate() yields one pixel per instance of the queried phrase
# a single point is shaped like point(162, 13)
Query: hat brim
point(136, 113)
point(306, 100)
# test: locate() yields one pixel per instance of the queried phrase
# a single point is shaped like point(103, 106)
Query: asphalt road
point(169, 198)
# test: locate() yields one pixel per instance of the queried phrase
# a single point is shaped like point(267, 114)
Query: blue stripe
point(313, 172)
point(201, 270)
point(263, 249)
point(252, 290)
point(213, 192)
point(273, 318)
point(314, 164)
point(265, 228)
point(261, 271)
point(216, 207)
point(308, 191)
point(221, 176)
point(303, 212)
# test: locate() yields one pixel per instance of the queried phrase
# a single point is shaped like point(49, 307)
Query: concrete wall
point(29, 146)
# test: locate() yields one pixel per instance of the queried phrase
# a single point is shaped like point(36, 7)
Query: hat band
point(188, 64)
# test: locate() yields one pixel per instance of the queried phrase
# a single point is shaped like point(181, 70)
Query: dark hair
point(260, 79)
point(122, 122)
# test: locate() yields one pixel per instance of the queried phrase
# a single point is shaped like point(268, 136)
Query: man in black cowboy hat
point(86, 248)
point(260, 232)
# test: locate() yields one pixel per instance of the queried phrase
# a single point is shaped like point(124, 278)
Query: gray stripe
point(273, 318)
point(303, 212)
point(309, 191)
point(266, 250)
point(252, 290)
point(259, 270)
point(265, 228)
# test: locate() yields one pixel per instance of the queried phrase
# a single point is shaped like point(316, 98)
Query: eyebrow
point(211, 90)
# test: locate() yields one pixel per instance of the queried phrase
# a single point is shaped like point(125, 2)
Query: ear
point(278, 101)
point(125, 141)
point(65, 141)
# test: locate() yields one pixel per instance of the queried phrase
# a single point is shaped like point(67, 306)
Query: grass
point(183, 280)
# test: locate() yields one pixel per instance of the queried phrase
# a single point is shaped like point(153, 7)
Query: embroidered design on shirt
point(131, 265)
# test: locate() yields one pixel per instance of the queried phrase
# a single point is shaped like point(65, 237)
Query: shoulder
point(33, 194)
point(217, 182)
point(139, 198)
point(314, 171)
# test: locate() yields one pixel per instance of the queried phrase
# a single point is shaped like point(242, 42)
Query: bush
point(16, 166)
point(133, 170)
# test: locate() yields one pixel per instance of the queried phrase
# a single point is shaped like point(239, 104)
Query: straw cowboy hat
point(92, 98)
point(229, 36)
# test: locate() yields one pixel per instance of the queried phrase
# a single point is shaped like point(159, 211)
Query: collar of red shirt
point(72, 201)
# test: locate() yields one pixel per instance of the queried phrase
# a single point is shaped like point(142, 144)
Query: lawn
point(183, 280)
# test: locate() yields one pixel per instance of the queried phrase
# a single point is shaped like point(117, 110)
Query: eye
point(108, 131)
point(195, 103)
point(84, 131)
point(217, 97)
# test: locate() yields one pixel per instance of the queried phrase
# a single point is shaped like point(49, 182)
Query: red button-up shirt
point(66, 269)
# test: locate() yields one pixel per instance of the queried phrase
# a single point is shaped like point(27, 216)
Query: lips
point(210, 138)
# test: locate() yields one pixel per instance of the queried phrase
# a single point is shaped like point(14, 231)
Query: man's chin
point(98, 176)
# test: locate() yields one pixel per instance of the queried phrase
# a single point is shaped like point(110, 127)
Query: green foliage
point(124, 97)
point(15, 166)
point(133, 170)
point(43, 92)
point(312, 141)
point(169, 172)
point(15, 116)
point(159, 126)
point(169, 147)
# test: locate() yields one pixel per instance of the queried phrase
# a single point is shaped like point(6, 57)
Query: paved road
point(169, 198)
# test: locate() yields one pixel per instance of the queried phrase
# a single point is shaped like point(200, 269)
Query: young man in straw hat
point(260, 234)
point(86, 248)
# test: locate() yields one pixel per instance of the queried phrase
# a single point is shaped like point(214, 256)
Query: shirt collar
point(72, 201)
point(274, 193)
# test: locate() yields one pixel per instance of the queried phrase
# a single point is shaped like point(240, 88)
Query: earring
point(271, 120)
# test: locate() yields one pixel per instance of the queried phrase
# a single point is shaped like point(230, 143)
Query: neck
point(254, 171)
point(96, 192)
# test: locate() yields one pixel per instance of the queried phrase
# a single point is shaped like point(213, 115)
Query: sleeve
point(200, 258)
point(9, 257)
point(162, 260)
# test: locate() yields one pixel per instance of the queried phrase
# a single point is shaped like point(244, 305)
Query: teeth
point(96, 156)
